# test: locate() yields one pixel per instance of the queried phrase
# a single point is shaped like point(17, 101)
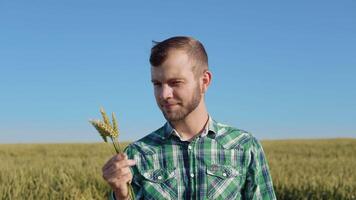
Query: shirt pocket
point(159, 183)
point(224, 182)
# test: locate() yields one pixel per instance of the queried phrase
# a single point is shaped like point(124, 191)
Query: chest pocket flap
point(222, 171)
point(158, 175)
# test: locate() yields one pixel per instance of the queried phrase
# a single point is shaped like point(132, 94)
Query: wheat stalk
point(106, 129)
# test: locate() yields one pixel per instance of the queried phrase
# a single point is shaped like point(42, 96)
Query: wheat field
point(301, 169)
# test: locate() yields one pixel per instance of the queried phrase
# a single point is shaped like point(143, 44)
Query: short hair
point(194, 49)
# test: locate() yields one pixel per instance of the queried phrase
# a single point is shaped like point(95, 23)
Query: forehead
point(177, 65)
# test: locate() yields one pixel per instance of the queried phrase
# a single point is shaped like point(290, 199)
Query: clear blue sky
point(281, 69)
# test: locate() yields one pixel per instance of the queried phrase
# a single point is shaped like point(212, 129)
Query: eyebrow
point(171, 79)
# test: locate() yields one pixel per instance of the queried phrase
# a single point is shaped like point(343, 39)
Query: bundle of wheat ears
point(106, 129)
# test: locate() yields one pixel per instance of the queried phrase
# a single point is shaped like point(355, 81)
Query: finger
point(125, 163)
point(118, 168)
point(114, 159)
point(122, 164)
point(108, 175)
point(109, 162)
point(115, 170)
point(127, 178)
point(122, 169)
point(124, 179)
point(121, 183)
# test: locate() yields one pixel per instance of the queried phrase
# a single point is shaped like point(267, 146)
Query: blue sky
point(280, 69)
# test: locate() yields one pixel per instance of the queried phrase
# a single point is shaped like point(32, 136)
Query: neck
point(193, 124)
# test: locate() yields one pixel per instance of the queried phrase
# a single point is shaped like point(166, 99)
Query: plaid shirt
point(221, 163)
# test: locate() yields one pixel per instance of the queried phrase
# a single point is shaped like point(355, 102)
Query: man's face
point(177, 90)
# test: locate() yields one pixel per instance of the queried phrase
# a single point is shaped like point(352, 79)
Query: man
point(191, 156)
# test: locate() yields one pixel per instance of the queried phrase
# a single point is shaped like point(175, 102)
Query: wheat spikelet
point(101, 131)
point(114, 124)
point(105, 116)
point(104, 129)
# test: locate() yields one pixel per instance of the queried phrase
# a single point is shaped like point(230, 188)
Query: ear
point(206, 80)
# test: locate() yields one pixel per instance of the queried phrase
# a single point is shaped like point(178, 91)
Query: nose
point(166, 92)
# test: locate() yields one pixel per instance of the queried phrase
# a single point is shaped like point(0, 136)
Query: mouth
point(169, 105)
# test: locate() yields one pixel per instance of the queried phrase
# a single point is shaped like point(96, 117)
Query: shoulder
point(231, 137)
point(148, 144)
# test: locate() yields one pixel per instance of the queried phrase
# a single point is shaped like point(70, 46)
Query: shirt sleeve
point(258, 181)
point(112, 196)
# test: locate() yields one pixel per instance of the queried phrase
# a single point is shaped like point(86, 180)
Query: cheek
point(182, 93)
point(156, 94)
point(155, 91)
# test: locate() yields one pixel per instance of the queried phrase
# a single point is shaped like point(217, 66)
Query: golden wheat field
point(301, 169)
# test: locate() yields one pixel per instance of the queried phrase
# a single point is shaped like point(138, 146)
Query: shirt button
point(190, 147)
point(192, 175)
point(224, 174)
point(159, 177)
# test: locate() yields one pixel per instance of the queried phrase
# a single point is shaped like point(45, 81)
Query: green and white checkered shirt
point(221, 163)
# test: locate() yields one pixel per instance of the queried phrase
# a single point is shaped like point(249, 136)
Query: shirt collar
point(209, 130)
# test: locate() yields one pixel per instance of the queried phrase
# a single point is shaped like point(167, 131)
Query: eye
point(156, 84)
point(176, 83)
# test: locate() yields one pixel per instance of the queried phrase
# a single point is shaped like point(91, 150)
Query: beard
point(185, 107)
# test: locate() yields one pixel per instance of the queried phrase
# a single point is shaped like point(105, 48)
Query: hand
point(117, 173)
